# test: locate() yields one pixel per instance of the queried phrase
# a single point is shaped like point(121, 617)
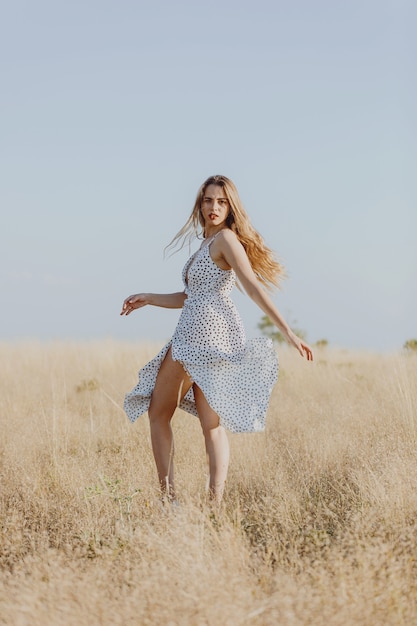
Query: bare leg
point(217, 445)
point(171, 385)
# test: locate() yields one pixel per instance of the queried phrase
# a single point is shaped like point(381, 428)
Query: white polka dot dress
point(236, 375)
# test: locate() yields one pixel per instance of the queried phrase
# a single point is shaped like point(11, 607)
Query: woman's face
point(214, 206)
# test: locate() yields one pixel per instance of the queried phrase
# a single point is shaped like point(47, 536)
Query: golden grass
point(319, 519)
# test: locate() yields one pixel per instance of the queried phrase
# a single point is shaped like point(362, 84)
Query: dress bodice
point(202, 278)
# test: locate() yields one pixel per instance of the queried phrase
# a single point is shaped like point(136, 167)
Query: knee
point(212, 432)
point(159, 414)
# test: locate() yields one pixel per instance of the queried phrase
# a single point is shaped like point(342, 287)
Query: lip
point(213, 216)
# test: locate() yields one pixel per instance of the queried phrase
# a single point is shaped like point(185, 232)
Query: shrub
point(411, 345)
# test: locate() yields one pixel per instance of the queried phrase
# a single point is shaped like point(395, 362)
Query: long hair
point(263, 261)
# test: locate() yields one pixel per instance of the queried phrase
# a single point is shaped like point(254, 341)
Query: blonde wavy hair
point(266, 267)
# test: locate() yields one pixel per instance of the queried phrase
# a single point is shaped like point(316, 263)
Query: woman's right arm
point(166, 300)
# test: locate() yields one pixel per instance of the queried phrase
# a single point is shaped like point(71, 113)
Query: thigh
point(171, 385)
point(208, 417)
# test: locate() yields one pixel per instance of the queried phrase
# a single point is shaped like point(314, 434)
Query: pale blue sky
point(113, 113)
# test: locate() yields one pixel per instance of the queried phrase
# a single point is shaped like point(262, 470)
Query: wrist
point(289, 334)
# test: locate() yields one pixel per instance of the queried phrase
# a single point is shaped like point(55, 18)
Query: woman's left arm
point(234, 254)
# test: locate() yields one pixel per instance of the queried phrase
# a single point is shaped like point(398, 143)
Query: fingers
point(133, 302)
point(128, 306)
point(126, 309)
point(307, 351)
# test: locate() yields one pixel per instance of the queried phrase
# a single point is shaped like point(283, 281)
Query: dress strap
point(212, 238)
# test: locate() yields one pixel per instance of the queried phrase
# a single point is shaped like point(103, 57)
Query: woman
point(208, 368)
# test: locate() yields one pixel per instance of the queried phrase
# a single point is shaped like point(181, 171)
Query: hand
point(134, 302)
point(302, 347)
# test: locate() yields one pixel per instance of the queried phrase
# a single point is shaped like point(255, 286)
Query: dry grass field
point(318, 525)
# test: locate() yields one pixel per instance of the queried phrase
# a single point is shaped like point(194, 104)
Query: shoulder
point(228, 238)
point(228, 247)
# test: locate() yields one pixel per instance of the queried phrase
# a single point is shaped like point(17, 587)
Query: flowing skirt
point(237, 389)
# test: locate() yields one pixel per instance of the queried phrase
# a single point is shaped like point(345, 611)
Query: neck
point(210, 232)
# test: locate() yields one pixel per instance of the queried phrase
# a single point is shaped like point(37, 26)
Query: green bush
point(411, 345)
point(268, 329)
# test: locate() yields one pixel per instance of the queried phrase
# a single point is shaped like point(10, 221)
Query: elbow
point(253, 292)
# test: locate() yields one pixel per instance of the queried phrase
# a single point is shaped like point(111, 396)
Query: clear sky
point(113, 114)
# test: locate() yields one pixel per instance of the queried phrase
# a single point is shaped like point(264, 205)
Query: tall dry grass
point(319, 519)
